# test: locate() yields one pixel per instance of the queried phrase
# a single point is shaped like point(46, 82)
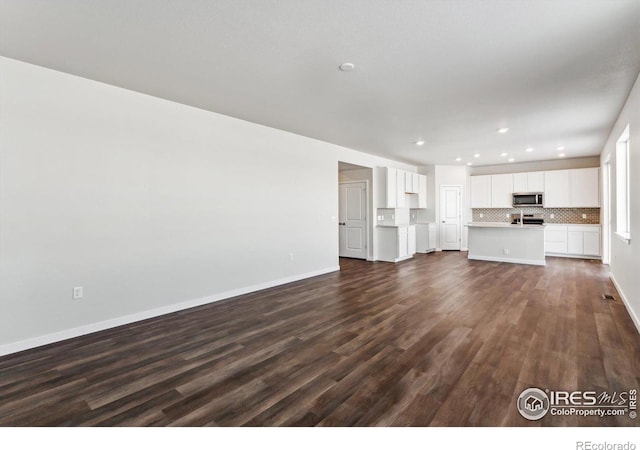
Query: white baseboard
point(634, 317)
point(566, 255)
point(533, 262)
point(39, 341)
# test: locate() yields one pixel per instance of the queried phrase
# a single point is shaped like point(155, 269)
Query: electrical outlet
point(505, 251)
point(481, 215)
point(291, 256)
point(584, 216)
point(77, 293)
point(552, 216)
point(507, 215)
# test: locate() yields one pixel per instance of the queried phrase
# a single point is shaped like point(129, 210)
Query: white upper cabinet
point(492, 191)
point(502, 190)
point(422, 191)
point(411, 182)
point(585, 192)
point(535, 182)
point(393, 185)
point(570, 188)
point(481, 191)
point(573, 188)
point(556, 192)
point(520, 182)
point(400, 190)
point(528, 182)
point(387, 177)
point(416, 183)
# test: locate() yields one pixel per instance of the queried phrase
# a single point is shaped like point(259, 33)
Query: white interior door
point(352, 220)
point(450, 217)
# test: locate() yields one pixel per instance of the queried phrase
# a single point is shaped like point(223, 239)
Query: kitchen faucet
point(521, 218)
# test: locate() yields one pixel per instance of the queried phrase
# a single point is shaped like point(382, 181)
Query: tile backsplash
point(561, 215)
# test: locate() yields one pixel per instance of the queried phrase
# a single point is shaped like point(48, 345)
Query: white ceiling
point(449, 72)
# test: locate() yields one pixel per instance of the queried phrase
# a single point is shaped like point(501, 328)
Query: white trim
point(632, 314)
point(533, 262)
point(605, 177)
point(438, 218)
point(368, 239)
point(395, 260)
point(38, 341)
point(625, 237)
point(567, 255)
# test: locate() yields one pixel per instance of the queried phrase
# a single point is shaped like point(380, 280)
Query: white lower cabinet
point(583, 240)
point(396, 243)
point(411, 239)
point(572, 240)
point(592, 243)
point(403, 243)
point(425, 237)
point(555, 239)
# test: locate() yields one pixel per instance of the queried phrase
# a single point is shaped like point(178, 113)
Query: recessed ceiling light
point(458, 159)
point(511, 160)
point(529, 150)
point(347, 67)
point(503, 154)
point(502, 130)
point(477, 155)
point(561, 155)
point(419, 142)
point(469, 163)
point(560, 148)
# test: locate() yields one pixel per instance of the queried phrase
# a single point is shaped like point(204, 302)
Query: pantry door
point(352, 220)
point(450, 217)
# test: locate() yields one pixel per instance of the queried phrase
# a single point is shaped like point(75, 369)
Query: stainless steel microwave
point(527, 199)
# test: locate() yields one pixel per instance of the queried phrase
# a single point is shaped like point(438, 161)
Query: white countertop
point(503, 225)
point(411, 224)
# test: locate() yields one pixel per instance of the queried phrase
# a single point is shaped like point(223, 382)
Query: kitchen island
point(504, 242)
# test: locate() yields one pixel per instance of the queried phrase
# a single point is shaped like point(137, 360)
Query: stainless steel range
point(527, 219)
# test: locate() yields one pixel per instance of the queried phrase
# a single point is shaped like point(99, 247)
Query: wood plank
point(437, 340)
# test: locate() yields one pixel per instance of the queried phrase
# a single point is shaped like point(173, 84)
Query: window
point(622, 186)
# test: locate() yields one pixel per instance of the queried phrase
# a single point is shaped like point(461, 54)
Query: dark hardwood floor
point(436, 340)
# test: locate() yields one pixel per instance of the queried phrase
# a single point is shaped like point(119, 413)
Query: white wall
point(453, 175)
point(148, 204)
point(625, 258)
point(367, 160)
point(534, 166)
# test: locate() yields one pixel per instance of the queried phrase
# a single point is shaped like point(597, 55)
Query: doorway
point(450, 220)
point(352, 219)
